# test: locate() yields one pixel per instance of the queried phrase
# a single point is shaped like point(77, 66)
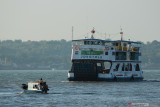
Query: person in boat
point(41, 81)
point(45, 86)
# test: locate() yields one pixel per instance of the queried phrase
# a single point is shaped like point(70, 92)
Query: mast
point(121, 38)
point(92, 31)
point(121, 34)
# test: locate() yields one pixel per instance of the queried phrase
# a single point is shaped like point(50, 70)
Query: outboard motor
point(24, 86)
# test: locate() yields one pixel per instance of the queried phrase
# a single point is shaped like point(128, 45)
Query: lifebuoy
point(76, 47)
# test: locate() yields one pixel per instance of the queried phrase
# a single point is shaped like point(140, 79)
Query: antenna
point(121, 33)
point(92, 31)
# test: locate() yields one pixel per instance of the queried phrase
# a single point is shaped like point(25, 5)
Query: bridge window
point(124, 44)
point(120, 55)
point(116, 44)
point(78, 43)
point(85, 42)
point(134, 55)
point(98, 43)
point(94, 43)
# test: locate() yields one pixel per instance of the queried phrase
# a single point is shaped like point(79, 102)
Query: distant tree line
point(33, 54)
point(151, 55)
point(57, 54)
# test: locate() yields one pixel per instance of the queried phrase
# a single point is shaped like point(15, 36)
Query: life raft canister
point(76, 47)
point(106, 48)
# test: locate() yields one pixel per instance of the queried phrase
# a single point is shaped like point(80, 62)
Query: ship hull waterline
point(115, 78)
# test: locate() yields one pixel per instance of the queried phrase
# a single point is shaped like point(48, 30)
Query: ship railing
point(122, 48)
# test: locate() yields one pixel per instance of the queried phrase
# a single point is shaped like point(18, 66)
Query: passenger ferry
point(97, 59)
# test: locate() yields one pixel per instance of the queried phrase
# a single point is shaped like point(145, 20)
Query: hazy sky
point(53, 19)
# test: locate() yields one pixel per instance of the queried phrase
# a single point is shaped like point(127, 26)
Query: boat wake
point(20, 93)
point(5, 93)
point(73, 93)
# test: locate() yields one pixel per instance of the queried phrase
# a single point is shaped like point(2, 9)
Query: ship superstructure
point(96, 59)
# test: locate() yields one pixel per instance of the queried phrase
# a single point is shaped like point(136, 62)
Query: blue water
point(63, 93)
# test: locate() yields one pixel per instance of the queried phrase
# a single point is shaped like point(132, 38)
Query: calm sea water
point(78, 94)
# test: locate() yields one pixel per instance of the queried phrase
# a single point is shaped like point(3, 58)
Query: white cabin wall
point(30, 86)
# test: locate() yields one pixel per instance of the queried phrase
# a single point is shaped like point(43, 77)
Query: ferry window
point(120, 55)
point(123, 67)
point(124, 44)
point(99, 67)
point(99, 64)
point(91, 42)
point(103, 43)
point(113, 44)
point(98, 43)
point(134, 55)
point(106, 43)
point(86, 42)
point(95, 42)
point(81, 43)
point(35, 86)
point(113, 53)
point(116, 44)
point(111, 48)
point(76, 52)
point(106, 53)
point(130, 67)
point(127, 67)
point(116, 68)
point(107, 65)
point(137, 67)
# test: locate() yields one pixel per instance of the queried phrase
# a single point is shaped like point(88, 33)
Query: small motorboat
point(35, 87)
